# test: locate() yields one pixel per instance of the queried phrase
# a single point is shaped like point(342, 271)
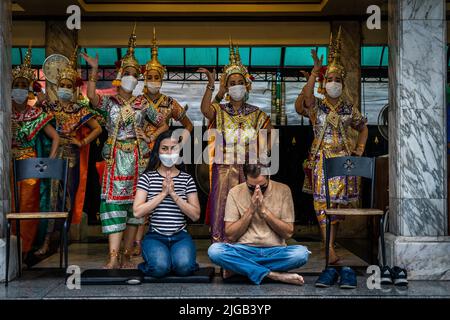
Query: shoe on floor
point(347, 278)
point(400, 276)
point(327, 278)
point(386, 275)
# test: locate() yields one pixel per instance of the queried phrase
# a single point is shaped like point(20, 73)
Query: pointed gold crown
point(128, 60)
point(70, 71)
point(25, 70)
point(330, 50)
point(334, 56)
point(235, 65)
point(153, 63)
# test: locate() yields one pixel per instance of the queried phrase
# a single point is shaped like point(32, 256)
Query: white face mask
point(153, 87)
point(237, 93)
point(19, 95)
point(128, 83)
point(169, 160)
point(65, 94)
point(334, 89)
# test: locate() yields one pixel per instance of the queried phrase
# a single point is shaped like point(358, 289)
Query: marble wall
point(5, 110)
point(425, 258)
point(417, 127)
point(417, 139)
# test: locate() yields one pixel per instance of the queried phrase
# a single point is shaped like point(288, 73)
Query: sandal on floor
point(110, 265)
point(44, 249)
point(335, 262)
point(137, 248)
point(126, 259)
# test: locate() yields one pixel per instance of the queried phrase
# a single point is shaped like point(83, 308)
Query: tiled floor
point(46, 282)
point(94, 255)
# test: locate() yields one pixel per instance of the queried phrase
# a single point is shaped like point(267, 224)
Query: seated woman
point(167, 195)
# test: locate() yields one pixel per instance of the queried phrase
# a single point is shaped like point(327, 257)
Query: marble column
point(5, 110)
point(5, 134)
point(58, 39)
point(417, 139)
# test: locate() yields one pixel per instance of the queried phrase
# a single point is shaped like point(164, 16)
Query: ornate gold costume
point(237, 129)
point(331, 124)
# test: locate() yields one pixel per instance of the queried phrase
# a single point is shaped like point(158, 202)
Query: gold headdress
point(128, 60)
point(153, 63)
point(330, 50)
point(334, 56)
point(70, 71)
point(25, 70)
point(235, 66)
point(334, 64)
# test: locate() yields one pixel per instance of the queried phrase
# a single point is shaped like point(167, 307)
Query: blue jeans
point(257, 262)
point(168, 254)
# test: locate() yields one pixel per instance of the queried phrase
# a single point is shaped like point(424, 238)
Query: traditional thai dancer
point(125, 151)
point(331, 117)
point(77, 128)
point(27, 122)
point(237, 121)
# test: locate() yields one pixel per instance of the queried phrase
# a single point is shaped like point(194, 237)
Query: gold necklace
point(126, 111)
point(158, 102)
point(333, 117)
point(238, 115)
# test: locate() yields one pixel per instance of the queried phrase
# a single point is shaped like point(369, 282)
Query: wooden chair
point(351, 166)
point(39, 168)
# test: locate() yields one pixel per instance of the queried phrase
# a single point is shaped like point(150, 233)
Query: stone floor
point(94, 255)
point(46, 282)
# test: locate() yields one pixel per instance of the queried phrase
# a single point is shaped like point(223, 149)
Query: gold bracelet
point(362, 146)
point(93, 78)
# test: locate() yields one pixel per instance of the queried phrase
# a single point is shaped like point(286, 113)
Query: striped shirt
point(167, 218)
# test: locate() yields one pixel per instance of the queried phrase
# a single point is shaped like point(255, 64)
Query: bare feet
point(227, 274)
point(334, 258)
point(287, 277)
point(44, 249)
point(127, 263)
point(322, 246)
point(112, 264)
point(113, 261)
point(137, 249)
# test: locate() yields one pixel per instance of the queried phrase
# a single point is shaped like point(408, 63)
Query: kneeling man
point(259, 217)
